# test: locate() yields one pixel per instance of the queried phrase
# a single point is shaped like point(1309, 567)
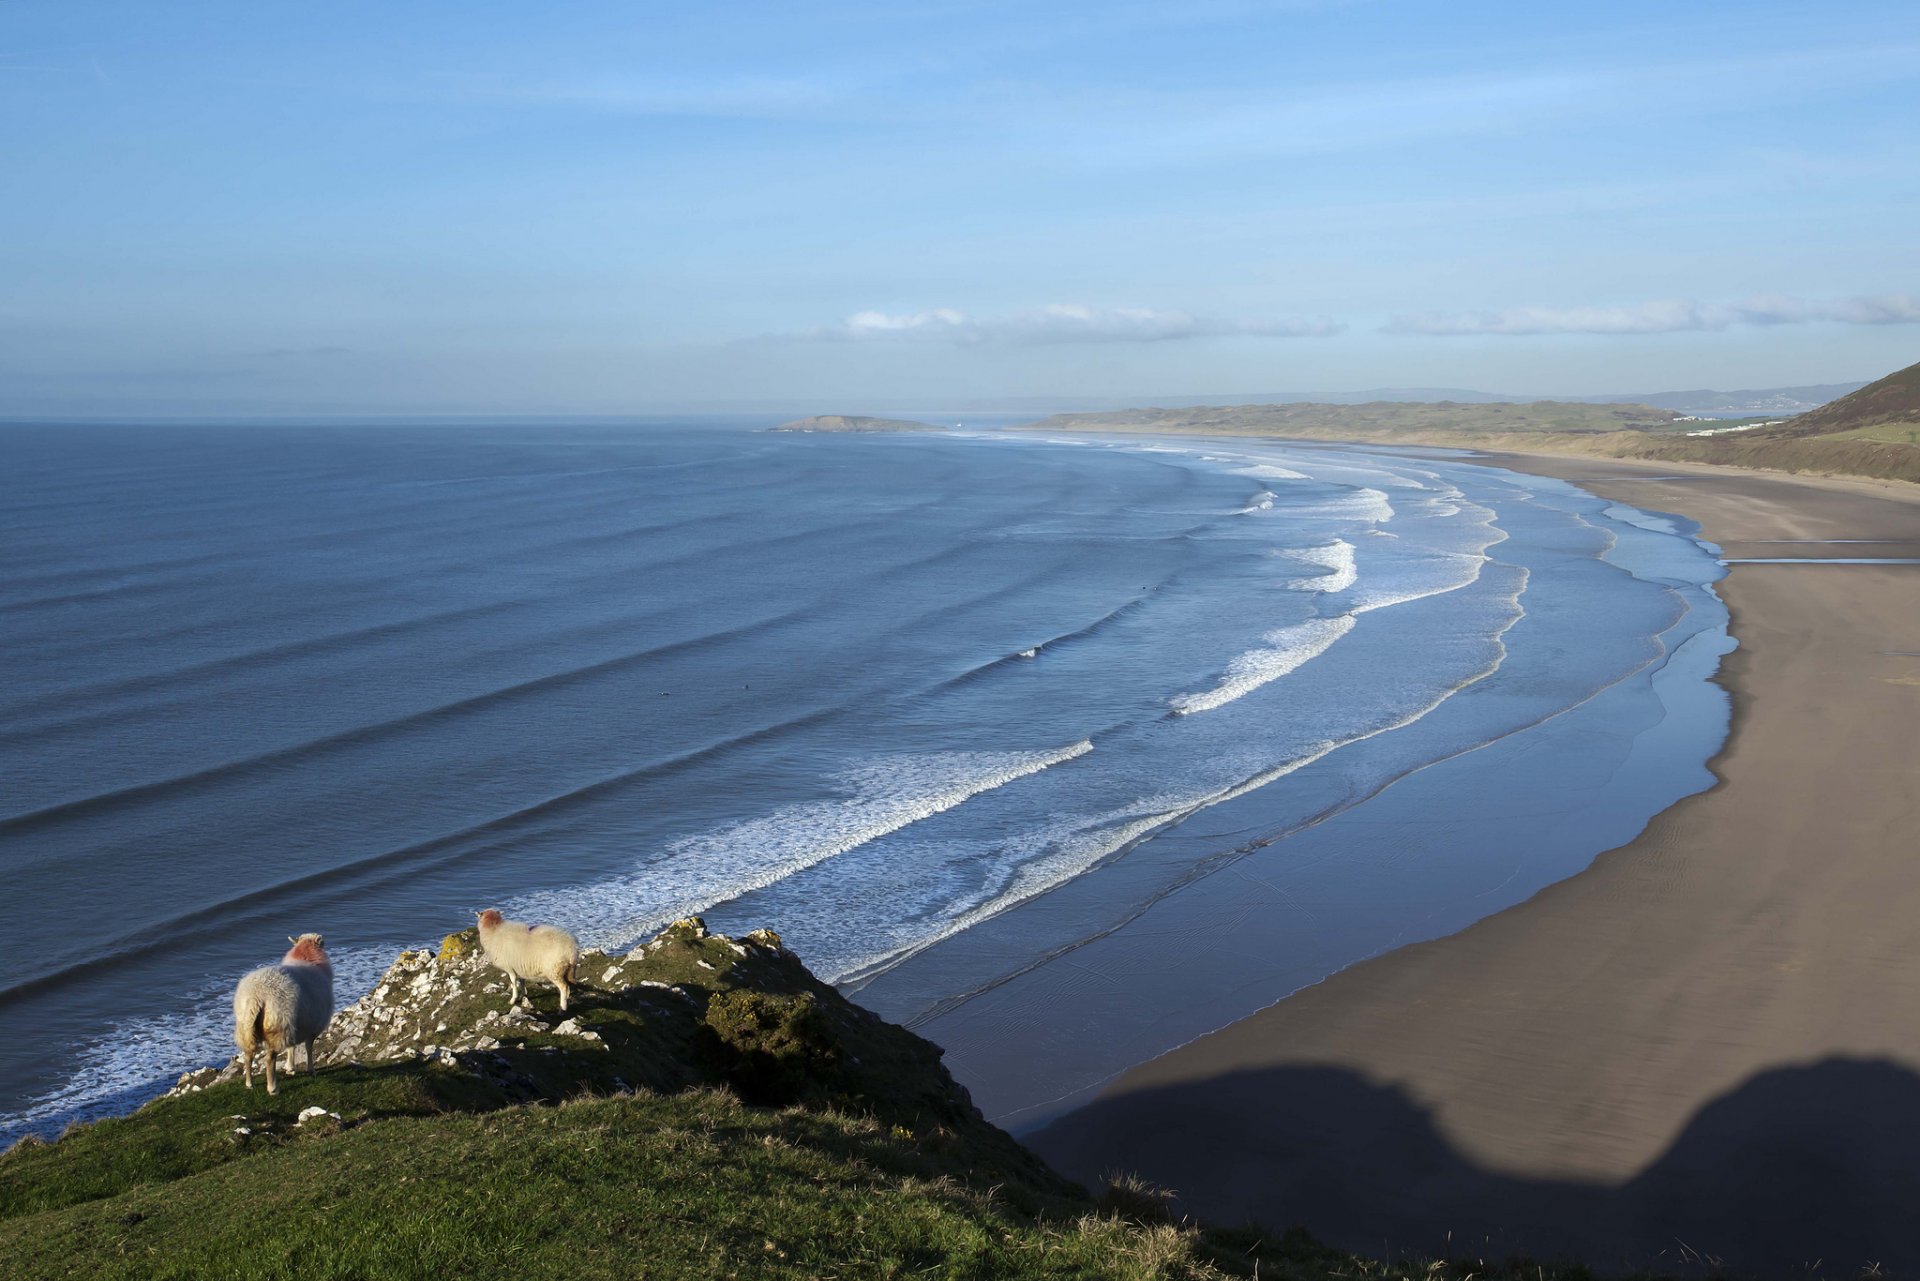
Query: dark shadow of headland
point(1801, 1170)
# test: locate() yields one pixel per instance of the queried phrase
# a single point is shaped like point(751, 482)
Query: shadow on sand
point(1801, 1170)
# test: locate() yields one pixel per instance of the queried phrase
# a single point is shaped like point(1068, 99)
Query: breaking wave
point(1285, 651)
point(698, 872)
point(1335, 561)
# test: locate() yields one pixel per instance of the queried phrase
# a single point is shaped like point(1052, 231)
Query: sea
point(1062, 750)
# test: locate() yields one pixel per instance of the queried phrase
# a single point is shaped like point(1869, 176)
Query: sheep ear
point(320, 940)
point(292, 939)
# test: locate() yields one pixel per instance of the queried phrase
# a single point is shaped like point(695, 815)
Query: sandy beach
point(1702, 1048)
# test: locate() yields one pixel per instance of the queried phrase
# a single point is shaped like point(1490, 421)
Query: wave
point(1264, 471)
point(1086, 630)
point(1371, 505)
point(139, 793)
point(1260, 502)
point(1286, 650)
point(1365, 506)
point(97, 698)
point(1080, 845)
point(1335, 561)
point(368, 871)
point(717, 867)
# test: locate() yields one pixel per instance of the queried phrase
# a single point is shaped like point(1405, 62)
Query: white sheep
point(278, 1007)
point(529, 952)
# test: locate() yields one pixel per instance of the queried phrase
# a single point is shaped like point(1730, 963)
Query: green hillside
point(1887, 410)
point(708, 1110)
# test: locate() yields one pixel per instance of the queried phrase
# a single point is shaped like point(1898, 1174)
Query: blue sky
point(607, 207)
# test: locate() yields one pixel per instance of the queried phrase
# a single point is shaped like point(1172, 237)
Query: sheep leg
point(515, 992)
point(309, 1058)
point(272, 1087)
point(246, 1067)
point(560, 981)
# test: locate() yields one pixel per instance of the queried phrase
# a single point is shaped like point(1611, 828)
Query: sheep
point(278, 1007)
point(529, 952)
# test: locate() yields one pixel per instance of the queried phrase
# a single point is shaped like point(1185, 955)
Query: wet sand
point(1703, 1047)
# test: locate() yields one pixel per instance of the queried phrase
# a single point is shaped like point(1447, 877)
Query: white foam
point(1265, 471)
point(1444, 572)
point(1262, 501)
point(1372, 505)
point(883, 796)
point(1285, 651)
point(1048, 858)
point(1336, 560)
point(1369, 506)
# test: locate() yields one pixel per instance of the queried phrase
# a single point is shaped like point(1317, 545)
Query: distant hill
point(1893, 401)
point(1874, 431)
point(1769, 402)
point(1746, 403)
point(1442, 422)
point(854, 422)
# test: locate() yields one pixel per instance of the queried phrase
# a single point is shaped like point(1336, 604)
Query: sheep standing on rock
point(529, 952)
point(278, 1007)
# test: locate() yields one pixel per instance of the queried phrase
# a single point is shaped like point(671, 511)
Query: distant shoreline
point(1552, 429)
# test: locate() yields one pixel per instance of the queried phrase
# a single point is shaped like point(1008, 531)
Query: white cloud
point(1667, 316)
point(1063, 323)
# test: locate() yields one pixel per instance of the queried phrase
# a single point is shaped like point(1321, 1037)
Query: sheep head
point(309, 949)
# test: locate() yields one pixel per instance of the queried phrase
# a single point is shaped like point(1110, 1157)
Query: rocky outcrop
point(449, 1006)
point(688, 1009)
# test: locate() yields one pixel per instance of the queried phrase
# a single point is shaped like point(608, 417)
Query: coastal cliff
point(706, 1109)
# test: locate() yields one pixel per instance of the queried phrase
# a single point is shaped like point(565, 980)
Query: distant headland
point(853, 422)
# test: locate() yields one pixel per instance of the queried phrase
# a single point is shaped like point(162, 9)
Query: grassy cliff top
point(707, 1109)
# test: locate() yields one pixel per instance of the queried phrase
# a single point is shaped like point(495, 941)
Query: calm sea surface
point(941, 709)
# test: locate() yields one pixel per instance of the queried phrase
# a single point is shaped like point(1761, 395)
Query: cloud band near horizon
point(1062, 323)
point(1075, 323)
point(1665, 316)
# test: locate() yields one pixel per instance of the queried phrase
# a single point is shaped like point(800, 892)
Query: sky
point(496, 207)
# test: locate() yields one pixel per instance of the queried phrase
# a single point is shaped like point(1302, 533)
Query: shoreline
point(1361, 870)
point(1682, 1052)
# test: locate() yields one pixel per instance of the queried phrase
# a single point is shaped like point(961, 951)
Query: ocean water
point(942, 709)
